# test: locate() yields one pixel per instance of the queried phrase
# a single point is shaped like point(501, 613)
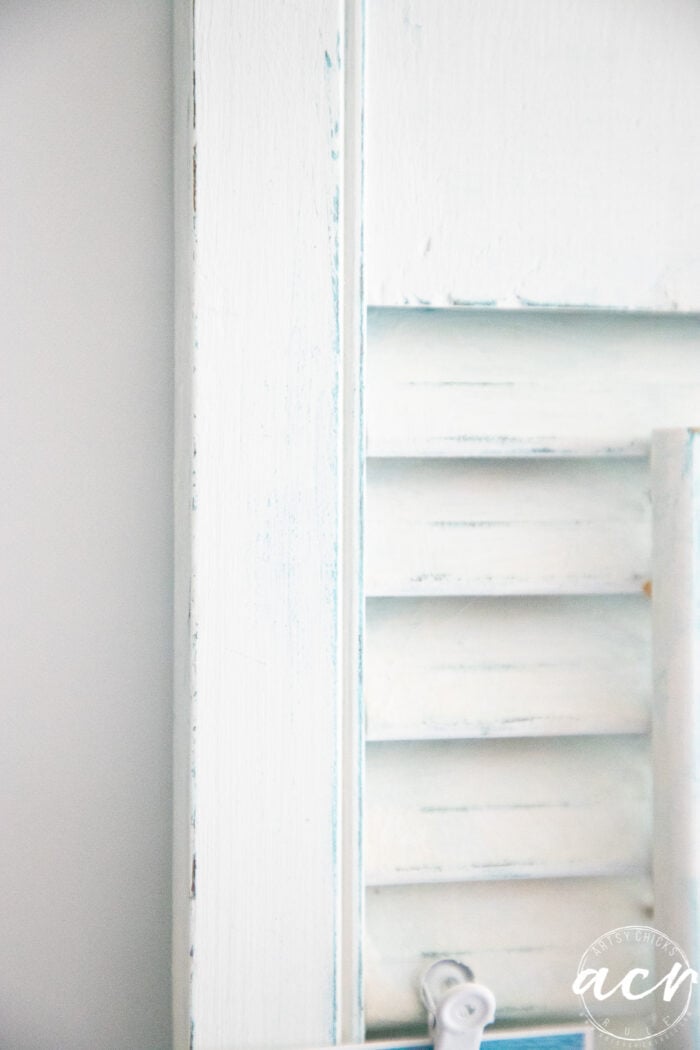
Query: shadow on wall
point(86, 524)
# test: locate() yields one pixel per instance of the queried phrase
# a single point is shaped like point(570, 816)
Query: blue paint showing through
point(570, 1041)
point(561, 1041)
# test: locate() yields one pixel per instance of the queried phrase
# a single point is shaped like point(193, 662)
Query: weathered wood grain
point(523, 938)
point(480, 383)
point(530, 153)
point(183, 681)
point(469, 527)
point(499, 667)
point(352, 474)
point(264, 366)
point(443, 811)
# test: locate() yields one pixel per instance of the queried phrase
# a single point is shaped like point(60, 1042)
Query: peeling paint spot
point(544, 304)
point(470, 303)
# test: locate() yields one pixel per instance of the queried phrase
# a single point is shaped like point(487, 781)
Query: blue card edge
point(503, 1035)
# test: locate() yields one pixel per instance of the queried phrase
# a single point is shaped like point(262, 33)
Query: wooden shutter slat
point(463, 383)
point(440, 668)
point(503, 809)
point(463, 527)
point(523, 938)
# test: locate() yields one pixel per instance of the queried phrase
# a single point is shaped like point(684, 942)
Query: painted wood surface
point(443, 811)
point(183, 677)
point(352, 894)
point(676, 727)
point(265, 368)
point(523, 938)
point(441, 668)
point(539, 153)
point(470, 527)
point(509, 599)
point(266, 629)
point(480, 667)
point(480, 383)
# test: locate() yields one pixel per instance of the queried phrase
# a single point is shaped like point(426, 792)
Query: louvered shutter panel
point(531, 244)
point(508, 656)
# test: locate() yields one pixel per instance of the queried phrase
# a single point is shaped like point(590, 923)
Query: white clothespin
point(458, 1008)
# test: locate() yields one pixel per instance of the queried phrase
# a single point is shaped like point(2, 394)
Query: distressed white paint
point(522, 938)
point(265, 359)
point(480, 383)
point(501, 667)
point(534, 153)
point(444, 811)
point(470, 527)
point(261, 401)
point(183, 677)
point(676, 726)
point(509, 597)
point(351, 1017)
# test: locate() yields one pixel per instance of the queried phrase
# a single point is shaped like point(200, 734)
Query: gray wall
point(85, 526)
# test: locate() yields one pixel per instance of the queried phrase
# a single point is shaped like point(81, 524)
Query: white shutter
point(541, 155)
point(499, 171)
point(533, 153)
point(262, 343)
point(676, 724)
point(508, 677)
